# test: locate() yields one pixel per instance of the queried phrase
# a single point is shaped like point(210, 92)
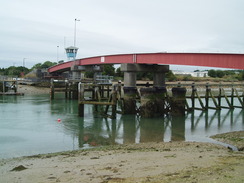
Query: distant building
point(193, 74)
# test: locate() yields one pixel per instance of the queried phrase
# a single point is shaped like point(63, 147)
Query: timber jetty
point(149, 101)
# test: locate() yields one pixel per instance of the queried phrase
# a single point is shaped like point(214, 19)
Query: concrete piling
point(130, 100)
point(152, 102)
point(178, 101)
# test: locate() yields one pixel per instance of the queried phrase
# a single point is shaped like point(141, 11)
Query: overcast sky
point(38, 30)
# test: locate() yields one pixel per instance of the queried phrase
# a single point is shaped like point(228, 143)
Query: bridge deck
point(221, 60)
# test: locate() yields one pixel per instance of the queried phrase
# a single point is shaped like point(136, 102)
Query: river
point(33, 125)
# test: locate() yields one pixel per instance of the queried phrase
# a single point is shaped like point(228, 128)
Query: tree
point(48, 64)
point(109, 69)
point(14, 71)
point(212, 73)
point(37, 66)
point(45, 65)
point(119, 73)
point(170, 76)
point(220, 73)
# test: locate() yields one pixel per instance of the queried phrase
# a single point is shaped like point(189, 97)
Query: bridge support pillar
point(178, 101)
point(76, 75)
point(130, 92)
point(152, 102)
point(159, 79)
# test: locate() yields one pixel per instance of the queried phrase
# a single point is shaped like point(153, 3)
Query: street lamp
point(75, 32)
point(57, 52)
point(72, 50)
point(24, 62)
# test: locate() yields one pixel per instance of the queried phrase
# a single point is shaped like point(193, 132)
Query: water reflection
point(93, 130)
point(230, 116)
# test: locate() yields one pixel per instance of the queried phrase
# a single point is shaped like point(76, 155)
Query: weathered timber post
point(3, 86)
point(75, 90)
point(70, 90)
point(220, 95)
point(114, 103)
point(108, 89)
point(66, 89)
point(207, 96)
point(178, 101)
point(52, 89)
point(232, 95)
point(81, 90)
point(193, 96)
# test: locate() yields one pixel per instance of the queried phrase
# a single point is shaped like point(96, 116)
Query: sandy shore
point(154, 162)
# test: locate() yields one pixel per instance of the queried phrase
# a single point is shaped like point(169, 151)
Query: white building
point(193, 74)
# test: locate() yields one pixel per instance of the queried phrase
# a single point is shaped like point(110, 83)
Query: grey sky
point(33, 29)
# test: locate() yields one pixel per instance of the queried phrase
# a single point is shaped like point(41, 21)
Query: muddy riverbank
point(145, 162)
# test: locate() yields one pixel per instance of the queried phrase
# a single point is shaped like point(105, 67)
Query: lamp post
point(57, 52)
point(24, 62)
point(75, 32)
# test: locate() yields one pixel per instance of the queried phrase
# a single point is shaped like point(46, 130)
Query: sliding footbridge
point(219, 60)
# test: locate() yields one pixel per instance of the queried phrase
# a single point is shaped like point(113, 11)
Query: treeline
point(14, 71)
point(227, 74)
point(21, 71)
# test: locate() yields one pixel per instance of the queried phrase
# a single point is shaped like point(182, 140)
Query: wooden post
point(3, 86)
point(193, 96)
point(207, 96)
point(52, 89)
point(114, 106)
point(232, 95)
point(108, 91)
point(220, 95)
point(97, 97)
point(66, 89)
point(102, 91)
point(75, 90)
point(227, 100)
point(81, 90)
point(70, 90)
point(214, 101)
point(81, 109)
point(239, 98)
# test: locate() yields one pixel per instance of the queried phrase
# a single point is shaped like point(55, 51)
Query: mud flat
point(145, 162)
point(233, 138)
point(33, 90)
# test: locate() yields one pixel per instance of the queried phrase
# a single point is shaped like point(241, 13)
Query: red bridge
point(221, 60)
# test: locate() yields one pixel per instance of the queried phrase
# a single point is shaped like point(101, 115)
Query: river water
point(33, 125)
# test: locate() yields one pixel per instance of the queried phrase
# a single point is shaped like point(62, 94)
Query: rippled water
point(34, 124)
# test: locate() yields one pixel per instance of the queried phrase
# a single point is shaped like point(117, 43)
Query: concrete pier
point(152, 102)
point(178, 101)
point(130, 90)
point(130, 100)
